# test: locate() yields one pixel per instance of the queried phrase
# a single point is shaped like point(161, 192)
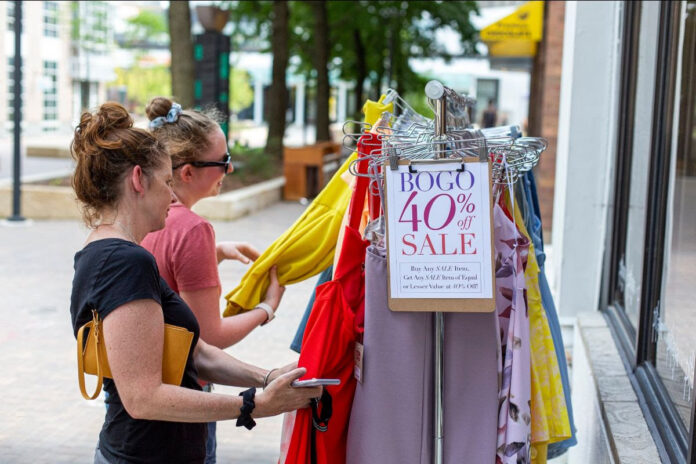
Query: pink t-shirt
point(185, 250)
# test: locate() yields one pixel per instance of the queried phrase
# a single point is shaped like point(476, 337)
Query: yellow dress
point(307, 247)
point(550, 422)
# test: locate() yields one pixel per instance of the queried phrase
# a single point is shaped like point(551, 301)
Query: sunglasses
point(225, 163)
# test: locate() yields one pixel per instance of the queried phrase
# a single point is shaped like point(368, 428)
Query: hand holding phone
point(315, 382)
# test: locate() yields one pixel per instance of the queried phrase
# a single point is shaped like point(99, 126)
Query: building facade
point(65, 63)
point(624, 233)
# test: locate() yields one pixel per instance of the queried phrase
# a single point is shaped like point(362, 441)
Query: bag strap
point(320, 421)
point(94, 332)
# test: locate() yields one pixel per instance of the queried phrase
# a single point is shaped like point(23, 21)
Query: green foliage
point(252, 162)
point(241, 93)
point(251, 23)
point(391, 33)
point(146, 26)
point(142, 83)
point(419, 102)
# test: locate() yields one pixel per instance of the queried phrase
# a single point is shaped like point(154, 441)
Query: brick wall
point(544, 101)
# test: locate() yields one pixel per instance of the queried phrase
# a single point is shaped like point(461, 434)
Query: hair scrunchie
point(171, 117)
point(248, 405)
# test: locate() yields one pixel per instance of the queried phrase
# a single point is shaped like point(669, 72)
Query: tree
point(374, 40)
point(181, 48)
point(146, 27)
point(321, 65)
point(278, 94)
point(370, 43)
point(142, 83)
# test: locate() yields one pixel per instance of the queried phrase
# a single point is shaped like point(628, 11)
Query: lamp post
point(17, 117)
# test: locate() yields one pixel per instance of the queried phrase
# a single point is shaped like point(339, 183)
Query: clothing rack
point(409, 135)
point(440, 96)
point(435, 92)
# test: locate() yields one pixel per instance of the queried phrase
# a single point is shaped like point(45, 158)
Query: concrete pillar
point(258, 102)
point(585, 152)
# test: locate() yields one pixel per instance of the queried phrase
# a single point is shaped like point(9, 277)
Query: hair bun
point(113, 116)
point(158, 106)
point(97, 130)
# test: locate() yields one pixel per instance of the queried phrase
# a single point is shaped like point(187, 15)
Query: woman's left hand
point(278, 371)
point(241, 251)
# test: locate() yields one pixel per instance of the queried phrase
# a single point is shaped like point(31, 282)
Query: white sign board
point(439, 237)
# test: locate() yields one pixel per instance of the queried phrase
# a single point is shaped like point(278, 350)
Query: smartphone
point(315, 382)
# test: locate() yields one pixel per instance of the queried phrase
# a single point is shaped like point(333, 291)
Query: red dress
point(335, 324)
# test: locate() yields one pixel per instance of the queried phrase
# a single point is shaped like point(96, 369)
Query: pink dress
point(514, 416)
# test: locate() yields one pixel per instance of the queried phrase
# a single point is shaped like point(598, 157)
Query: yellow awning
point(517, 34)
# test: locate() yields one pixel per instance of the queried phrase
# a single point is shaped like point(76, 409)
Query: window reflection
point(631, 264)
point(676, 349)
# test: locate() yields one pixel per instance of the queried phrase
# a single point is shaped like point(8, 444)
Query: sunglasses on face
point(225, 163)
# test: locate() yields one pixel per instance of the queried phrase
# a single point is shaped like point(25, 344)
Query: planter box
point(41, 202)
point(49, 202)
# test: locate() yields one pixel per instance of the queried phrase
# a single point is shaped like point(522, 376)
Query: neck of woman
point(185, 197)
point(119, 226)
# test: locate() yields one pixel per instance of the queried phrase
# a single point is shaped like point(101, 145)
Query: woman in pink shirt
point(186, 252)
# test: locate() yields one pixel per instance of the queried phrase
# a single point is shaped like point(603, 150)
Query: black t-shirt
point(109, 273)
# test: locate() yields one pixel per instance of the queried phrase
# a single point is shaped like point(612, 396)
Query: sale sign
point(439, 231)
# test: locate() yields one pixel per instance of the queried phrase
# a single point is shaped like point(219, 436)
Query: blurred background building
point(66, 62)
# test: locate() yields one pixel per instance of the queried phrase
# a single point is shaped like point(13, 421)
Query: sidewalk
point(45, 419)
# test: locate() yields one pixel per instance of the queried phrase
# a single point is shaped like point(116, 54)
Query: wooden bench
point(304, 168)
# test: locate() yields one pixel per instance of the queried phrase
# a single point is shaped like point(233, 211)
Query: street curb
point(241, 202)
point(53, 202)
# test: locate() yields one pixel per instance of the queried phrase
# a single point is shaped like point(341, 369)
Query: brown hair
point(105, 146)
point(188, 136)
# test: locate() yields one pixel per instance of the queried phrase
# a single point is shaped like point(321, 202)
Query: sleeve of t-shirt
point(128, 274)
point(194, 262)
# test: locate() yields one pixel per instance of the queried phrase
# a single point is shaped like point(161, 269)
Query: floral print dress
point(514, 415)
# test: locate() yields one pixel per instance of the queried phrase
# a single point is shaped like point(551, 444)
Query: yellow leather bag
point(92, 358)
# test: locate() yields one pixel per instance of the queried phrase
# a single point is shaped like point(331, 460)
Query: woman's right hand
point(275, 291)
point(280, 396)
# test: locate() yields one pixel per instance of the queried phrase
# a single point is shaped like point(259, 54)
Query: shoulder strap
point(93, 326)
point(367, 143)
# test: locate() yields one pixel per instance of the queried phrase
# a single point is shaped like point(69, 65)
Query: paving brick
point(44, 418)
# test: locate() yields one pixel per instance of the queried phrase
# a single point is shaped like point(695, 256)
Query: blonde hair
point(188, 136)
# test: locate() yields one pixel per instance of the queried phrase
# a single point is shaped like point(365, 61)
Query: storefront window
point(631, 262)
point(652, 254)
point(676, 347)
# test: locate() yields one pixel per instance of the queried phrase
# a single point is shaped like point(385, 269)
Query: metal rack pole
point(436, 91)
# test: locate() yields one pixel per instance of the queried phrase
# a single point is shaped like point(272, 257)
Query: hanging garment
point(373, 111)
point(549, 414)
point(324, 277)
point(514, 416)
point(308, 246)
point(534, 227)
point(391, 419)
point(327, 351)
point(334, 325)
point(472, 353)
point(392, 416)
point(302, 251)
